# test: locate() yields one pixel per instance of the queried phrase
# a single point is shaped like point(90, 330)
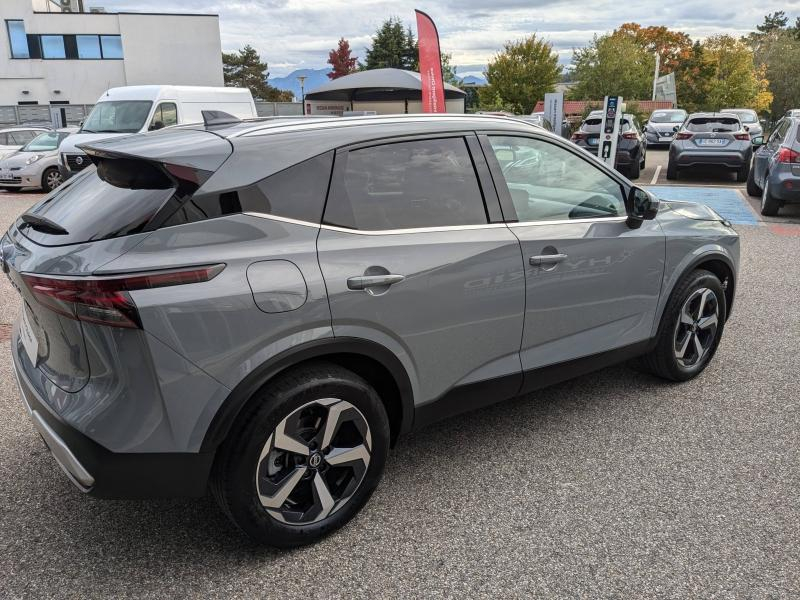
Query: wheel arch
point(370, 360)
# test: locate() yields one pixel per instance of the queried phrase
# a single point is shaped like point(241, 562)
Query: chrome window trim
point(415, 229)
point(619, 219)
point(441, 228)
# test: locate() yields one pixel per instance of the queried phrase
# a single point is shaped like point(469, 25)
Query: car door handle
point(544, 259)
point(362, 282)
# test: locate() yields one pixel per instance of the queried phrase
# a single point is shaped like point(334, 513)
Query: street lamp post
point(302, 80)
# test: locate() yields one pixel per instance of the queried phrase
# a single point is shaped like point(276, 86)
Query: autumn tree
point(613, 64)
point(520, 75)
point(671, 46)
point(341, 60)
point(776, 49)
point(244, 69)
point(734, 81)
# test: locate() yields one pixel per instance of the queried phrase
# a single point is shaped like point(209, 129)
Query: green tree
point(520, 75)
point(776, 50)
point(393, 47)
point(735, 80)
point(613, 64)
point(245, 69)
point(693, 78)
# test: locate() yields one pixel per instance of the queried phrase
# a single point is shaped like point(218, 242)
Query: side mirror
point(156, 125)
point(641, 206)
point(676, 128)
point(745, 127)
point(758, 140)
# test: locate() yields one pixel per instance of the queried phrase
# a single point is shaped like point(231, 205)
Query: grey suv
point(775, 175)
point(262, 308)
point(711, 139)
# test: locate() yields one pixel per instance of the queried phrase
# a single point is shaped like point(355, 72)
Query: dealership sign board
point(554, 110)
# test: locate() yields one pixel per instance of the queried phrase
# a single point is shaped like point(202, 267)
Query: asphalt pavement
point(615, 485)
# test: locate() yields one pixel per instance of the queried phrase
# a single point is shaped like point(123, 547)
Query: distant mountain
point(473, 80)
point(314, 79)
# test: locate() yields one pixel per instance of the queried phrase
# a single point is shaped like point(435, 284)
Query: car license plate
point(665, 138)
point(592, 141)
point(712, 142)
point(29, 341)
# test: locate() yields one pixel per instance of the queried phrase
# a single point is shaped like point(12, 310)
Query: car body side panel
point(456, 318)
point(217, 325)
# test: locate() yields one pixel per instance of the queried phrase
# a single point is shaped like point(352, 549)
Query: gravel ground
point(612, 485)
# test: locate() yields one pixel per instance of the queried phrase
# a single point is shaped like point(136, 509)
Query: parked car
point(749, 119)
point(795, 112)
point(631, 144)
point(775, 175)
point(235, 308)
point(711, 139)
point(14, 138)
point(537, 119)
point(139, 108)
point(35, 165)
point(660, 127)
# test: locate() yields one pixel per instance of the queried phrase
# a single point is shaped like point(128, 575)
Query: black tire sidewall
point(665, 346)
point(238, 487)
point(45, 187)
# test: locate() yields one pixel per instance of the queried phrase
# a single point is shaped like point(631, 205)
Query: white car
point(35, 165)
point(14, 138)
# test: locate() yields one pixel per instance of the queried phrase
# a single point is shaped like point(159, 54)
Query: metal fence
point(61, 115)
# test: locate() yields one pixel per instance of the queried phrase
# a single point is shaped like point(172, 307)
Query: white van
point(140, 108)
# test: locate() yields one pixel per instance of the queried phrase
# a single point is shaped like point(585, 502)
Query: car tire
point(743, 173)
point(634, 170)
point(769, 204)
point(672, 171)
point(683, 349)
point(51, 179)
point(275, 442)
point(752, 186)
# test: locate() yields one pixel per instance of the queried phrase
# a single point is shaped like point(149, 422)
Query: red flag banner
point(430, 65)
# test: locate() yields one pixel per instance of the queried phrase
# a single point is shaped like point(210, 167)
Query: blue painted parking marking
point(727, 202)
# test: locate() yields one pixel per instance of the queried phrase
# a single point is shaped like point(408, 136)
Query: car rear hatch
point(714, 133)
point(56, 246)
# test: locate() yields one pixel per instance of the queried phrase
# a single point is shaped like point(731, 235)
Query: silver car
point(659, 128)
point(711, 139)
point(749, 119)
point(264, 308)
point(14, 138)
point(36, 164)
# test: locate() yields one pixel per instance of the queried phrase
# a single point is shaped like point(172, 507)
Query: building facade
point(58, 53)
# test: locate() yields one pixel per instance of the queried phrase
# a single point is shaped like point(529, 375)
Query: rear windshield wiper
point(43, 224)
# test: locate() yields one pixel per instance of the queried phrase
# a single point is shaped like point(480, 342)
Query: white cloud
point(293, 34)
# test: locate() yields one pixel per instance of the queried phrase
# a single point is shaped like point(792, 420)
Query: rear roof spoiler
point(218, 117)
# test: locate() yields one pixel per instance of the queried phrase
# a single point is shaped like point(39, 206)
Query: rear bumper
point(731, 160)
point(654, 139)
point(100, 472)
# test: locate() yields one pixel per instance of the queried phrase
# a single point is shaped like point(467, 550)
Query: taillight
point(630, 135)
point(105, 300)
point(787, 155)
point(683, 135)
point(742, 136)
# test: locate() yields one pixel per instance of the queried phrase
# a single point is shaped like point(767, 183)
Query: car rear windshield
point(593, 124)
point(713, 125)
point(667, 116)
point(90, 208)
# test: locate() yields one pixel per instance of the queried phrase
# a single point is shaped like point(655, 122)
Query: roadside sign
point(554, 110)
point(609, 130)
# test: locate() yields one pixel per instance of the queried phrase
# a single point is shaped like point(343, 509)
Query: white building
point(57, 53)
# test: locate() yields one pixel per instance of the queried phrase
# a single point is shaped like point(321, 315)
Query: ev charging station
point(609, 130)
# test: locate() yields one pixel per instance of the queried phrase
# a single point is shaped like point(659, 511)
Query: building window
point(112, 46)
point(18, 39)
point(88, 46)
point(53, 47)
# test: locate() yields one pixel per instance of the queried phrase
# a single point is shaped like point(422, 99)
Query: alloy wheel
point(314, 461)
point(696, 329)
point(53, 180)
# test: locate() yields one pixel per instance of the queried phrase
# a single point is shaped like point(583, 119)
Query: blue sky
point(292, 34)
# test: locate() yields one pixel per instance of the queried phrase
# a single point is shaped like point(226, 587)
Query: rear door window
point(406, 185)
